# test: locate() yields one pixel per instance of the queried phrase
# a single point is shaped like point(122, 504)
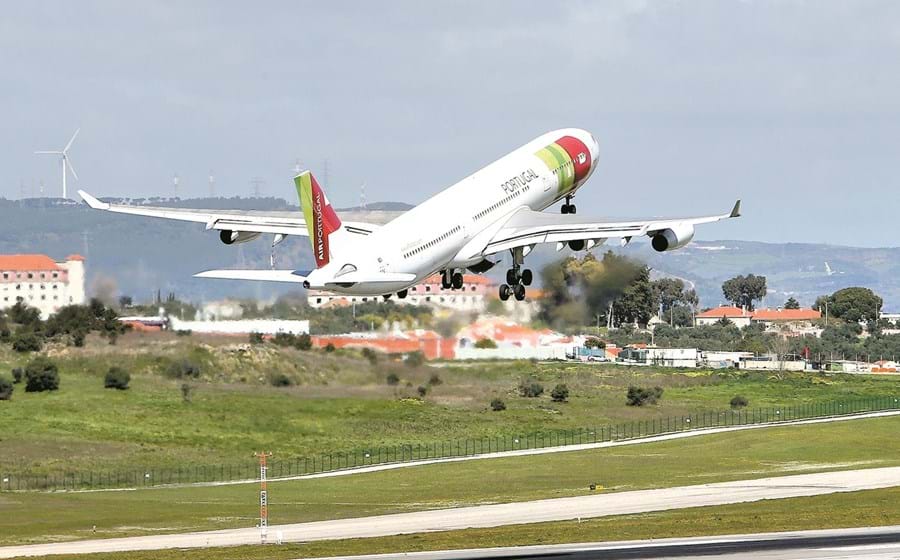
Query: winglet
point(735, 212)
point(93, 202)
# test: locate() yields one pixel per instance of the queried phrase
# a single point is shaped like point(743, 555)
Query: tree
point(560, 393)
point(853, 305)
point(41, 375)
point(484, 343)
point(26, 341)
point(117, 378)
point(742, 291)
point(792, 303)
point(6, 389)
point(636, 304)
point(17, 373)
point(28, 317)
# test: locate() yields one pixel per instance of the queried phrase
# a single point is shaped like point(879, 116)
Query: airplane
point(468, 226)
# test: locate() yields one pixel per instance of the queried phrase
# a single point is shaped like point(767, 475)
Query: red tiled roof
point(724, 311)
point(468, 279)
point(786, 315)
point(27, 263)
point(75, 257)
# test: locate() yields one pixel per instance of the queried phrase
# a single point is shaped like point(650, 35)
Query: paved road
point(538, 451)
point(868, 542)
point(558, 509)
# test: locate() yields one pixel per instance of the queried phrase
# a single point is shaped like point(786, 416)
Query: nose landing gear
point(568, 207)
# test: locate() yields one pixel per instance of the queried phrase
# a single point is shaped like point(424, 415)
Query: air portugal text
point(519, 181)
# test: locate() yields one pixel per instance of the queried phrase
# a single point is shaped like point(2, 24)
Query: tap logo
point(582, 157)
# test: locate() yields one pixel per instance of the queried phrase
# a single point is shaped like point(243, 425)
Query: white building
point(474, 295)
point(41, 282)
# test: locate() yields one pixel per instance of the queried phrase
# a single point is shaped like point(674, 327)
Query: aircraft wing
point(526, 228)
point(285, 223)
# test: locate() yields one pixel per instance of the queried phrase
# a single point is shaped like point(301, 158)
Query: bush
point(414, 359)
point(422, 390)
point(393, 379)
point(435, 380)
point(485, 343)
point(181, 332)
point(304, 342)
point(117, 378)
point(187, 392)
point(182, 369)
point(370, 355)
point(329, 348)
point(639, 396)
point(17, 373)
point(531, 389)
point(498, 405)
point(41, 375)
point(6, 389)
point(78, 338)
point(739, 401)
point(280, 380)
point(560, 393)
point(26, 341)
point(256, 338)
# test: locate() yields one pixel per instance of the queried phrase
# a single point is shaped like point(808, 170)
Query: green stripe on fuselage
point(566, 171)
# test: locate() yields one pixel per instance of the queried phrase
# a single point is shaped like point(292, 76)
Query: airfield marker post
point(263, 497)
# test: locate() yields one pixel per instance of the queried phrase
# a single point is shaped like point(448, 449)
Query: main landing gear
point(568, 207)
point(451, 280)
point(516, 278)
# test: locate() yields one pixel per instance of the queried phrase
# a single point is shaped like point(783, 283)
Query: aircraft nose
point(595, 150)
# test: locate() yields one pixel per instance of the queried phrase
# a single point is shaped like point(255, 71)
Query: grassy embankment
point(784, 450)
point(338, 402)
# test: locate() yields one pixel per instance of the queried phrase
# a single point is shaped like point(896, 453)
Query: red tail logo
point(321, 220)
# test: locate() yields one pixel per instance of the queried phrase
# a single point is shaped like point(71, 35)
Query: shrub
point(187, 392)
point(414, 359)
point(6, 389)
point(41, 375)
point(304, 342)
point(78, 338)
point(531, 389)
point(117, 378)
point(560, 393)
point(17, 373)
point(26, 341)
point(256, 338)
point(284, 339)
point(639, 396)
point(485, 343)
point(329, 347)
point(739, 401)
point(393, 379)
point(498, 405)
point(422, 390)
point(182, 369)
point(435, 380)
point(181, 332)
point(370, 355)
point(280, 380)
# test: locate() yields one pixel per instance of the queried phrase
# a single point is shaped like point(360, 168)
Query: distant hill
point(144, 255)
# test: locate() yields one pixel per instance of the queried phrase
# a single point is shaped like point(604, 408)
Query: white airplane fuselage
point(434, 235)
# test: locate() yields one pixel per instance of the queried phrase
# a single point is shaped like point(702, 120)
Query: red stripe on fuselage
point(580, 154)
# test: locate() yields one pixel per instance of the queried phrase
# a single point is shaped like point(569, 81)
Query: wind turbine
point(66, 163)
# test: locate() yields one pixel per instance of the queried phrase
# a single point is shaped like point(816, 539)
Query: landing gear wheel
point(564, 209)
point(445, 281)
point(402, 294)
point(386, 297)
point(504, 292)
point(512, 277)
point(519, 292)
point(527, 277)
point(572, 209)
point(456, 280)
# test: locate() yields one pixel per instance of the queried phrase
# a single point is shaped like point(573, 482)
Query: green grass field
point(855, 509)
point(339, 402)
point(42, 517)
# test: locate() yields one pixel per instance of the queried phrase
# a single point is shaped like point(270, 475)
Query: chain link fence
point(382, 455)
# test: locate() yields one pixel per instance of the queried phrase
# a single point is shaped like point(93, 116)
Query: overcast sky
point(793, 106)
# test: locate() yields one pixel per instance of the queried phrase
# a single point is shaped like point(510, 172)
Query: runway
point(869, 542)
point(558, 509)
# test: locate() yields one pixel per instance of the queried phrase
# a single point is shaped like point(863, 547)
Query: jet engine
point(229, 237)
point(672, 238)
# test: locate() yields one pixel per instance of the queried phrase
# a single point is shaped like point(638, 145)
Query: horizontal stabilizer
point(259, 275)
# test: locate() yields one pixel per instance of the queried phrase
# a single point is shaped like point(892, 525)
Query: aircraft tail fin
point(321, 219)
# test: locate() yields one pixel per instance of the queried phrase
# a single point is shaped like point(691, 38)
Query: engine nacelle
point(673, 238)
point(229, 237)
